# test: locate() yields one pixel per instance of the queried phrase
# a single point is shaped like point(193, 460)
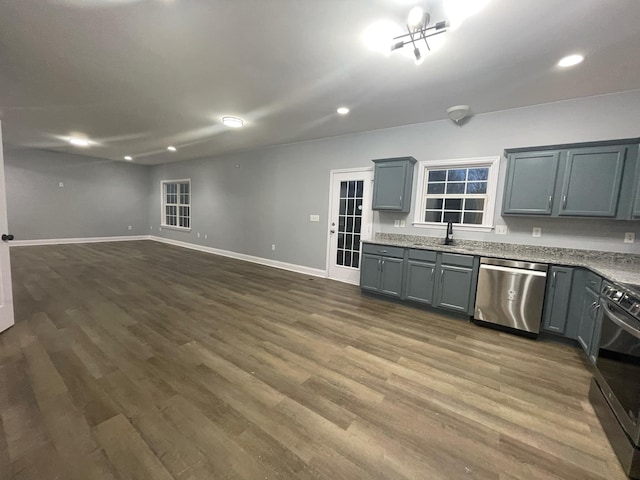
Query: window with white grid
point(176, 204)
point(458, 191)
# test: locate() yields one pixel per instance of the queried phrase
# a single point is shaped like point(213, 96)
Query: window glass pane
point(351, 205)
point(474, 204)
point(359, 188)
point(340, 259)
point(435, 188)
point(434, 203)
point(478, 174)
point(356, 242)
point(340, 240)
point(343, 189)
point(343, 207)
point(477, 187)
point(452, 217)
point(433, 216)
point(355, 260)
point(437, 175)
point(348, 241)
point(453, 204)
point(347, 259)
point(341, 223)
point(457, 175)
point(455, 188)
point(184, 188)
point(352, 189)
point(473, 218)
point(349, 224)
point(357, 227)
point(358, 210)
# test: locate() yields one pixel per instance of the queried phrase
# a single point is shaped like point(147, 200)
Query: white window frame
point(163, 204)
point(492, 191)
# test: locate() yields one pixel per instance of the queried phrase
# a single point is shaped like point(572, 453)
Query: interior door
point(350, 222)
point(6, 295)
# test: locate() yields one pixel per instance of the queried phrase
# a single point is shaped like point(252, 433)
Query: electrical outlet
point(205, 236)
point(396, 223)
point(402, 223)
point(129, 227)
point(501, 229)
point(273, 246)
point(629, 237)
point(314, 218)
point(198, 234)
point(61, 184)
point(536, 232)
point(151, 227)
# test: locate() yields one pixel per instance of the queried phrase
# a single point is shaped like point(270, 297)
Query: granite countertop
point(616, 267)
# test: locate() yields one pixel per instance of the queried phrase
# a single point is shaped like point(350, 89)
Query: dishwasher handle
point(514, 271)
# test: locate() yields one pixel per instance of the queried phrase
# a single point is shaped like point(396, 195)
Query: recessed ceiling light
point(233, 122)
point(128, 158)
point(79, 141)
point(343, 110)
point(171, 148)
point(570, 60)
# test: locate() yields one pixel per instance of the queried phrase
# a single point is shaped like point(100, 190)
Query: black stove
point(626, 296)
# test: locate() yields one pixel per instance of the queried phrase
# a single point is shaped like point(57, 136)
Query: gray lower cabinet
point(588, 331)
point(530, 183)
point(420, 280)
point(636, 206)
point(380, 273)
point(392, 184)
point(454, 285)
point(557, 299)
point(591, 183)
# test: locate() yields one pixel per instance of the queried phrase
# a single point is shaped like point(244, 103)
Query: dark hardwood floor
point(139, 360)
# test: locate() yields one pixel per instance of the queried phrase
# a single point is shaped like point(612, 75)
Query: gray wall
point(247, 201)
point(100, 198)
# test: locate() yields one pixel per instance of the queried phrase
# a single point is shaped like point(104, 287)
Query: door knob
point(6, 238)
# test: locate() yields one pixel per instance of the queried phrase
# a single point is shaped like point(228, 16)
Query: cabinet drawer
point(386, 250)
point(457, 259)
point(593, 282)
point(422, 255)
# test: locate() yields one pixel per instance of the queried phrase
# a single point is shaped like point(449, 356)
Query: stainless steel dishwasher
point(511, 293)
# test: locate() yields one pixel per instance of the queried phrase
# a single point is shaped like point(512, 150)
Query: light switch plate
point(61, 184)
point(629, 237)
point(396, 223)
point(501, 229)
point(536, 232)
point(402, 223)
point(314, 218)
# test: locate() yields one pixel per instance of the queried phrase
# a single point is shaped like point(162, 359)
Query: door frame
point(368, 210)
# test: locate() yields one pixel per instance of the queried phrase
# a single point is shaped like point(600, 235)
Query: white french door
point(350, 222)
point(6, 295)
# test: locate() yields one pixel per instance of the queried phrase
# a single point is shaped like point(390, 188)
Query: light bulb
point(416, 15)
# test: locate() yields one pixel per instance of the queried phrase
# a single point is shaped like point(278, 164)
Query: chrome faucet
point(448, 239)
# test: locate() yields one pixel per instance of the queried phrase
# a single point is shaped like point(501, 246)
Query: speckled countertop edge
point(615, 267)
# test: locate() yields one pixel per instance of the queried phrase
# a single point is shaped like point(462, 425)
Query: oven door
point(618, 367)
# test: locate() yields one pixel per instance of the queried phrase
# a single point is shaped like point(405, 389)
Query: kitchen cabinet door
point(391, 270)
point(370, 272)
point(592, 178)
point(595, 340)
point(636, 208)
point(556, 304)
point(454, 288)
point(530, 183)
point(420, 281)
point(392, 184)
point(588, 320)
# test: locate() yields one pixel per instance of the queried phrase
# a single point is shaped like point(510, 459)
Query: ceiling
point(138, 75)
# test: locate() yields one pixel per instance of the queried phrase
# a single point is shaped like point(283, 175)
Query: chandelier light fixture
point(418, 29)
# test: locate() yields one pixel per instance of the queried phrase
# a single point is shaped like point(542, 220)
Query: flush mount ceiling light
point(418, 30)
point(171, 148)
point(233, 122)
point(79, 141)
point(571, 60)
point(458, 113)
point(342, 110)
point(128, 158)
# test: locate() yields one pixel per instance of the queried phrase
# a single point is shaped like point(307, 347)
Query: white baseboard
point(64, 241)
point(315, 272)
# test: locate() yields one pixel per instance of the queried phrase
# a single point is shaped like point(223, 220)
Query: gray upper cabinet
point(591, 184)
point(531, 179)
point(392, 184)
point(557, 299)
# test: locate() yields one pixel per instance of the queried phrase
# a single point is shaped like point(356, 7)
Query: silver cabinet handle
point(564, 201)
point(433, 271)
point(553, 283)
point(382, 251)
point(441, 275)
point(550, 201)
point(382, 269)
point(379, 264)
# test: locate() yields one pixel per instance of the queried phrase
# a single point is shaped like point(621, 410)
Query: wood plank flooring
point(138, 360)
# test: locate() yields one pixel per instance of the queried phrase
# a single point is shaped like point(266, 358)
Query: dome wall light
point(571, 60)
point(171, 148)
point(343, 110)
point(458, 113)
point(233, 122)
point(79, 141)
